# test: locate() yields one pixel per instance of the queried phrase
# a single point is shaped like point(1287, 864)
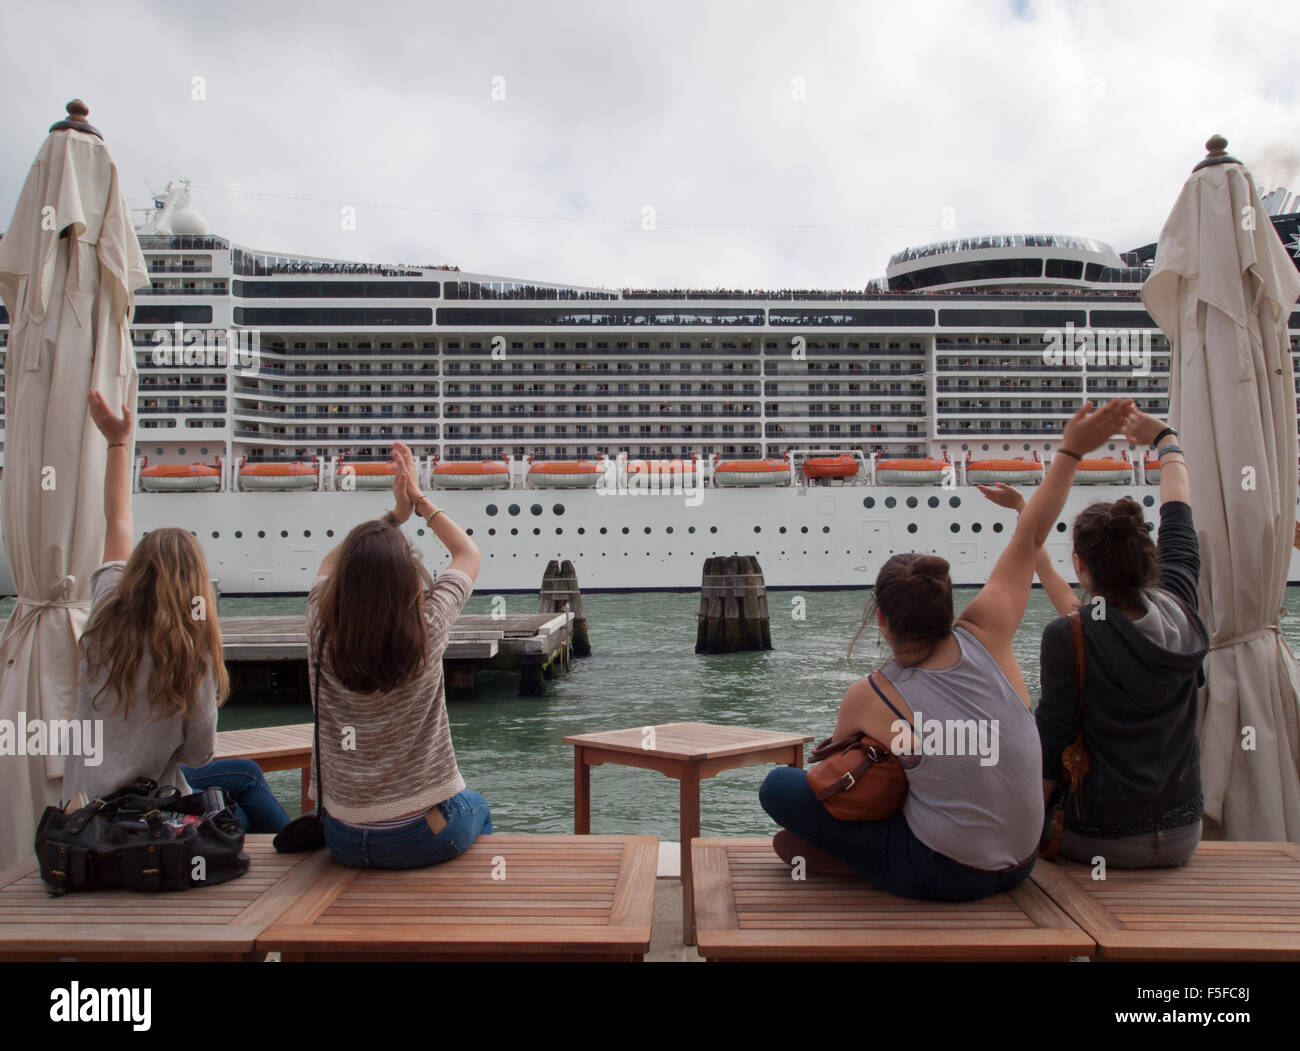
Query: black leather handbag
point(142, 838)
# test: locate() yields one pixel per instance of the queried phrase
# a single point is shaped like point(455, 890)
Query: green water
point(644, 671)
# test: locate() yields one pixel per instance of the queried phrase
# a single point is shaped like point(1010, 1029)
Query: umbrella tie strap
point(1250, 636)
point(28, 609)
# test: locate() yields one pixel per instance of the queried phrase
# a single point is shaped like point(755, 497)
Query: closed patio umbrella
point(1222, 291)
point(69, 263)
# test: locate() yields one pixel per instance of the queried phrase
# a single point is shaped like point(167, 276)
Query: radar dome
point(188, 221)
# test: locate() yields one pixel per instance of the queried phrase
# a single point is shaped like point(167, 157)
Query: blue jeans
point(885, 853)
point(412, 844)
point(245, 786)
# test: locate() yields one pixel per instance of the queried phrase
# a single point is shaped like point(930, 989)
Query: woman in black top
point(1139, 805)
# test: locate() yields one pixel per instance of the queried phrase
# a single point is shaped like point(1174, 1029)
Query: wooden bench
point(748, 906)
point(221, 922)
point(272, 748)
point(509, 897)
point(1232, 901)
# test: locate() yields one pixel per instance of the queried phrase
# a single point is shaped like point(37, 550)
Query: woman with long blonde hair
point(151, 668)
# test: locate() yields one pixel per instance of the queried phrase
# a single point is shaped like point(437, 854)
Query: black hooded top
point(1139, 706)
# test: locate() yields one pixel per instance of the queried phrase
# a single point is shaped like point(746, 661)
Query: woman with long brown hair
point(377, 624)
point(973, 814)
point(151, 664)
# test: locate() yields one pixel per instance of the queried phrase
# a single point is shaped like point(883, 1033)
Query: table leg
point(796, 757)
point(581, 793)
point(690, 829)
point(307, 804)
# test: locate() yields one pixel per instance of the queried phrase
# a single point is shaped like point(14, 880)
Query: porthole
point(306, 533)
point(976, 528)
point(420, 532)
point(1150, 501)
point(955, 527)
point(758, 529)
point(933, 501)
point(537, 532)
point(826, 529)
point(647, 530)
point(329, 532)
point(911, 527)
point(869, 502)
point(513, 509)
point(491, 510)
point(514, 532)
point(891, 501)
point(783, 530)
point(626, 530)
point(582, 530)
point(536, 509)
point(558, 509)
point(216, 535)
point(239, 534)
point(603, 530)
point(690, 529)
point(284, 534)
point(261, 534)
point(468, 532)
point(954, 501)
point(492, 532)
point(713, 529)
point(803, 529)
point(668, 529)
point(997, 527)
point(912, 501)
point(1060, 527)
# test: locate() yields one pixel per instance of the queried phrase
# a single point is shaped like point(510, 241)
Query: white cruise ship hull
point(830, 538)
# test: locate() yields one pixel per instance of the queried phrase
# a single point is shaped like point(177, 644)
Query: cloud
point(778, 144)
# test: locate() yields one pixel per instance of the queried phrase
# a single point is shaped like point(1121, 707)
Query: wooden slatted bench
point(1232, 901)
point(221, 922)
point(748, 907)
point(272, 748)
point(509, 897)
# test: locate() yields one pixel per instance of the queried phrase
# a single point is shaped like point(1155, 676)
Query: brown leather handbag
point(1074, 757)
point(857, 778)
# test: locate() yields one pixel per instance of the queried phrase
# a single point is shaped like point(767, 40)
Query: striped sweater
point(389, 755)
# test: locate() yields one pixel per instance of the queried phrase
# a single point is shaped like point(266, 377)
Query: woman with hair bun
point(1139, 804)
point(973, 815)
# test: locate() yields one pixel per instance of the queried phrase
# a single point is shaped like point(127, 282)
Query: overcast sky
point(787, 144)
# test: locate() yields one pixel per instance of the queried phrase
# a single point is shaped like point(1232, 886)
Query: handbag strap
point(882, 696)
point(1080, 665)
point(315, 713)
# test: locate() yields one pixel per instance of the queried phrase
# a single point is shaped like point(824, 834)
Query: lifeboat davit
point(278, 477)
point(366, 475)
point(1106, 470)
point(564, 474)
point(1017, 471)
point(926, 471)
point(831, 467)
point(1151, 468)
point(180, 478)
point(479, 474)
point(752, 472)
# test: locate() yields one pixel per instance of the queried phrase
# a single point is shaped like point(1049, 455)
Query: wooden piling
point(733, 614)
point(559, 593)
point(460, 680)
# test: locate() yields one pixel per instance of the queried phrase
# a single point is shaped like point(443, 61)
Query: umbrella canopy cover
point(69, 264)
point(1222, 291)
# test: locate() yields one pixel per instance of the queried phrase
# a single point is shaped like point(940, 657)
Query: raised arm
point(995, 613)
point(1058, 591)
point(465, 556)
point(118, 431)
point(1143, 429)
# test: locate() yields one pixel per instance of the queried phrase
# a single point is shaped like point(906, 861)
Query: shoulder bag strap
point(881, 695)
point(1080, 665)
point(315, 713)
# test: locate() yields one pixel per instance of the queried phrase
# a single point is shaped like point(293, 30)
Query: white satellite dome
point(189, 221)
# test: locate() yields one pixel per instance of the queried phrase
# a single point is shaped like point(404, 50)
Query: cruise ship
point(633, 432)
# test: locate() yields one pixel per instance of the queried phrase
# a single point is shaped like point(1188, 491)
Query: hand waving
point(113, 428)
point(1089, 428)
point(1003, 495)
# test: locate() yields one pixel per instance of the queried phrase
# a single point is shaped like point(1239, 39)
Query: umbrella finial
point(1216, 152)
point(78, 111)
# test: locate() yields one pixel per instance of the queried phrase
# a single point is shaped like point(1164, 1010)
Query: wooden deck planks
point(562, 897)
point(1232, 901)
point(206, 923)
point(747, 907)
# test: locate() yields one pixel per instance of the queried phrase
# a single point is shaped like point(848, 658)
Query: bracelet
point(1167, 430)
point(391, 519)
point(434, 514)
point(117, 445)
point(1067, 452)
point(1169, 449)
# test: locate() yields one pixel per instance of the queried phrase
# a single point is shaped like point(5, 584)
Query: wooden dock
point(536, 645)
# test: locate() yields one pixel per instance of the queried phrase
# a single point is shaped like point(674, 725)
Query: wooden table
point(221, 922)
point(750, 907)
point(1231, 901)
point(689, 752)
point(272, 748)
point(508, 897)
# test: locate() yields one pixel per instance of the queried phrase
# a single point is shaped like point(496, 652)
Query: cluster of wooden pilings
point(733, 606)
point(560, 594)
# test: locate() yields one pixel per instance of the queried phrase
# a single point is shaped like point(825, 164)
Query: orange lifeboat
point(1151, 468)
point(844, 466)
point(481, 474)
point(366, 475)
point(926, 471)
point(565, 474)
point(660, 466)
point(278, 476)
point(180, 478)
point(1105, 470)
point(1016, 471)
point(752, 472)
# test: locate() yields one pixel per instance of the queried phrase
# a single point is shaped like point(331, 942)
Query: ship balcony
point(331, 413)
point(693, 352)
point(332, 353)
point(834, 411)
point(454, 413)
point(594, 375)
point(854, 391)
point(150, 387)
point(215, 289)
point(263, 393)
point(317, 436)
point(856, 432)
point(146, 409)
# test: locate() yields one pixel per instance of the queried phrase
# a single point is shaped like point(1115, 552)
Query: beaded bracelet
point(1169, 449)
